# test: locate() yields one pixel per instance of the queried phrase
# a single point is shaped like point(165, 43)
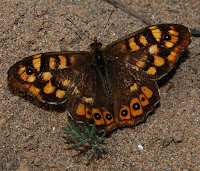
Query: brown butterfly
point(113, 86)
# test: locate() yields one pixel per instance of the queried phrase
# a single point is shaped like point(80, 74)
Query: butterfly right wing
point(48, 77)
point(64, 78)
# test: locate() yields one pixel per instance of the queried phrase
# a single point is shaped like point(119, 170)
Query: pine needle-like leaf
point(78, 144)
point(102, 137)
point(86, 131)
point(93, 130)
point(83, 137)
point(75, 128)
point(90, 153)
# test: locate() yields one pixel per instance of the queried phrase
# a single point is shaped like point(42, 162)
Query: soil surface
point(31, 137)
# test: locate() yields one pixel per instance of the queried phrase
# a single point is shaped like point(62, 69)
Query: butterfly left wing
point(153, 50)
point(134, 94)
point(137, 61)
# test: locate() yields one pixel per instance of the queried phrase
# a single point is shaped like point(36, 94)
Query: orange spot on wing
point(125, 117)
point(172, 57)
point(88, 113)
point(60, 93)
point(99, 121)
point(31, 78)
point(21, 69)
point(66, 82)
point(80, 110)
point(49, 88)
point(88, 99)
point(125, 110)
point(37, 62)
point(174, 39)
point(34, 90)
point(156, 32)
point(31, 89)
point(143, 100)
point(76, 91)
point(152, 70)
point(24, 76)
point(143, 40)
point(46, 76)
point(147, 92)
point(52, 63)
point(108, 121)
point(135, 112)
point(158, 61)
point(133, 45)
point(134, 87)
point(173, 32)
point(26, 86)
point(111, 126)
point(153, 49)
point(140, 64)
point(63, 62)
point(169, 44)
point(178, 49)
point(153, 27)
point(37, 56)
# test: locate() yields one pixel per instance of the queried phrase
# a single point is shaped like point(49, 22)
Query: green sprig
point(82, 136)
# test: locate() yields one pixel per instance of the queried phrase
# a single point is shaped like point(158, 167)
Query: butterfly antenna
point(105, 25)
point(195, 32)
point(79, 30)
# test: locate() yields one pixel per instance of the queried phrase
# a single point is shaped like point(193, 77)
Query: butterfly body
point(112, 86)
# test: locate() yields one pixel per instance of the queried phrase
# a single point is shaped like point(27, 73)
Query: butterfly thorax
point(98, 59)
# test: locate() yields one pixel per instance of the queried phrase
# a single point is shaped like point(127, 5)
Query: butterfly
point(115, 86)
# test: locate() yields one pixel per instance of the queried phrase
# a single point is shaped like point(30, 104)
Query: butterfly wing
point(137, 61)
point(91, 102)
point(154, 49)
point(48, 77)
point(134, 94)
point(63, 78)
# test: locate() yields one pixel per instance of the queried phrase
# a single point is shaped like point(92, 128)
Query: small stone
point(140, 147)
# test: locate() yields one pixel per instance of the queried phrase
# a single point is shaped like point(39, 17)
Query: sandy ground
point(31, 138)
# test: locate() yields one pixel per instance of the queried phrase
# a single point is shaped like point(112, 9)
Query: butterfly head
point(97, 54)
point(96, 45)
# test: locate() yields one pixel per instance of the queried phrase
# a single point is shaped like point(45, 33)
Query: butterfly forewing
point(153, 49)
point(48, 77)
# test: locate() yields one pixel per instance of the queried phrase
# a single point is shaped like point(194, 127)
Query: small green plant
point(83, 137)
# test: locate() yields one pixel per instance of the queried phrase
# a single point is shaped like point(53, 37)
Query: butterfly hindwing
point(134, 94)
point(90, 103)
